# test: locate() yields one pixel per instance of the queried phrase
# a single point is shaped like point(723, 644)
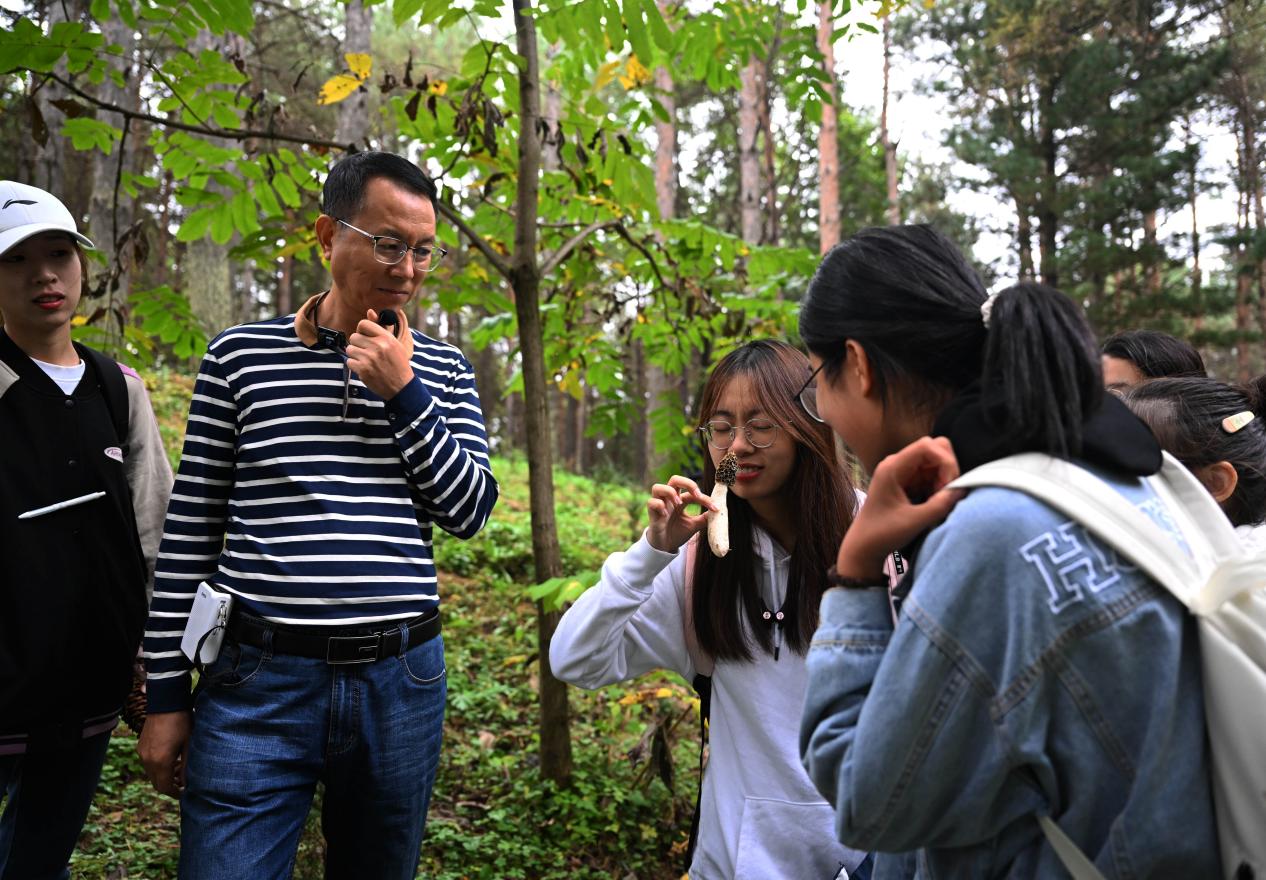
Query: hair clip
point(1231, 424)
point(986, 309)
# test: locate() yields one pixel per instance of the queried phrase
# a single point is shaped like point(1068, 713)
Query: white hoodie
point(760, 817)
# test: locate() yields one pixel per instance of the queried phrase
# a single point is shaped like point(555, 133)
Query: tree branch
point(498, 262)
point(238, 134)
point(637, 245)
point(564, 251)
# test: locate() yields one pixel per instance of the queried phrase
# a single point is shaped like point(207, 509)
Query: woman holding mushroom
point(743, 615)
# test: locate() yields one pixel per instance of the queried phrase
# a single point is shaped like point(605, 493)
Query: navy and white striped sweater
point(305, 516)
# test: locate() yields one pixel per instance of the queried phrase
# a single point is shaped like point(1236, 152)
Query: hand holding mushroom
point(671, 525)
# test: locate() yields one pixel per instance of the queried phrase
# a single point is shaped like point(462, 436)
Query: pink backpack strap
point(702, 662)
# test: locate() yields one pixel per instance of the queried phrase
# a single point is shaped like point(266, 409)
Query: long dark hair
point(1186, 417)
point(911, 300)
point(726, 605)
point(1155, 354)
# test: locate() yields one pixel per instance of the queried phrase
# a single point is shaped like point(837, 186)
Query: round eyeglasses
point(808, 395)
point(391, 250)
point(720, 434)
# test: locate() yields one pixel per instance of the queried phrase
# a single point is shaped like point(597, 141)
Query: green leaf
point(403, 10)
point(660, 33)
point(87, 134)
point(637, 30)
point(285, 186)
point(614, 25)
point(267, 200)
point(222, 223)
point(195, 225)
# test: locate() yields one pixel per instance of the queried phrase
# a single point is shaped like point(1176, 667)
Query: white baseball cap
point(26, 211)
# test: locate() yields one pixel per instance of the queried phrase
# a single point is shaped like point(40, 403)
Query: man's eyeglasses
point(808, 395)
point(390, 250)
point(720, 434)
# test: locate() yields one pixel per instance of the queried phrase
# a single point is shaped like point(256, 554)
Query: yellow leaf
point(664, 692)
point(635, 74)
point(606, 73)
point(514, 660)
point(630, 699)
point(438, 87)
point(78, 320)
point(478, 271)
point(337, 88)
point(359, 64)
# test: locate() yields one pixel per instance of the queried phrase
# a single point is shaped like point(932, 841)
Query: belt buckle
point(345, 650)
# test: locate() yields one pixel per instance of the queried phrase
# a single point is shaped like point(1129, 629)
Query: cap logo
point(114, 452)
point(18, 202)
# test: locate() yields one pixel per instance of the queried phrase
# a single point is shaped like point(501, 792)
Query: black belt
point(337, 645)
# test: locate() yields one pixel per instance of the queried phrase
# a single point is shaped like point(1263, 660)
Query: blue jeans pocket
point(236, 665)
point(424, 663)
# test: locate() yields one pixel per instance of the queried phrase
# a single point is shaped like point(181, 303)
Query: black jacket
point(72, 597)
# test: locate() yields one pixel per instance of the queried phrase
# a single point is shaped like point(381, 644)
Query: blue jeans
point(48, 796)
point(269, 726)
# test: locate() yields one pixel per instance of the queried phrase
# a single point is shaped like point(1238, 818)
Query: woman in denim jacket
point(1032, 671)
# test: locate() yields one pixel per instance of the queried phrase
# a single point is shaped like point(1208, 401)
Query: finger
point(695, 523)
point(663, 492)
point(655, 507)
point(688, 490)
point(920, 455)
point(934, 511)
point(684, 484)
point(367, 327)
point(371, 315)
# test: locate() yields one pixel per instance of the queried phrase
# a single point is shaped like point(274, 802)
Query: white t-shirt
point(67, 378)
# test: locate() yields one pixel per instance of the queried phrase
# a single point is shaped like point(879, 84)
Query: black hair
point(1155, 354)
point(726, 606)
point(911, 300)
point(1186, 416)
point(343, 195)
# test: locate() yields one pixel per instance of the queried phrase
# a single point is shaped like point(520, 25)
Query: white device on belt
point(204, 633)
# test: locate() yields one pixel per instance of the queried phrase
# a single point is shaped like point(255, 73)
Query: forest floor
point(626, 815)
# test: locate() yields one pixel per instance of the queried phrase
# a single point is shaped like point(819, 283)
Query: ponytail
point(1041, 377)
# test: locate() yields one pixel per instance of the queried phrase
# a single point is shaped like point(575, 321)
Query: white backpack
point(1222, 584)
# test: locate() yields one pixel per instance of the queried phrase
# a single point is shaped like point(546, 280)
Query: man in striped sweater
point(321, 449)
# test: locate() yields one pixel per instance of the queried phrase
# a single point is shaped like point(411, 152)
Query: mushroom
point(719, 519)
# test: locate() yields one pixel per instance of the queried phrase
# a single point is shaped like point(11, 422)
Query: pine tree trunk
point(890, 149)
point(828, 139)
point(1048, 212)
point(1197, 280)
point(525, 278)
point(1024, 239)
point(749, 161)
point(1152, 256)
point(353, 111)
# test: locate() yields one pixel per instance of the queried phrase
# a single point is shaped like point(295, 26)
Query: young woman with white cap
point(84, 486)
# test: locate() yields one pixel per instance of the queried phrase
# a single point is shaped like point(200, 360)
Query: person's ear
point(1220, 479)
point(857, 365)
point(326, 226)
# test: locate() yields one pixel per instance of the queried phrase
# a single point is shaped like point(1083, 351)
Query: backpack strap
point(1083, 497)
point(114, 388)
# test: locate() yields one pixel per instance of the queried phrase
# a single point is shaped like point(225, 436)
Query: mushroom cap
point(727, 470)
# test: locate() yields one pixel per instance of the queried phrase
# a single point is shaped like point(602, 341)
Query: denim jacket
point(1032, 672)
